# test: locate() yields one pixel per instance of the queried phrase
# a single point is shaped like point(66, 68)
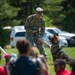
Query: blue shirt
point(24, 66)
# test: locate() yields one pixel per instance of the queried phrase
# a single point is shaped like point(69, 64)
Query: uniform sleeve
point(42, 29)
point(27, 25)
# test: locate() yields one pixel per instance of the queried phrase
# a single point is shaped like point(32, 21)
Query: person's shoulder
point(66, 72)
point(31, 16)
point(1, 68)
point(36, 60)
point(72, 73)
point(41, 56)
point(12, 61)
point(2, 71)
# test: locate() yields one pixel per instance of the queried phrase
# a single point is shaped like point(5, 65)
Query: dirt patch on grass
point(7, 46)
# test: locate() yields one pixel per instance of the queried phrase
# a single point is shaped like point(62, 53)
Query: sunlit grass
point(69, 50)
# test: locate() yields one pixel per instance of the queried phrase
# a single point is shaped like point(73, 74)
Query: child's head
point(59, 64)
point(34, 52)
point(72, 64)
point(23, 46)
point(7, 57)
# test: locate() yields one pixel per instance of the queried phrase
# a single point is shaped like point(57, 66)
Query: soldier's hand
point(35, 31)
point(41, 40)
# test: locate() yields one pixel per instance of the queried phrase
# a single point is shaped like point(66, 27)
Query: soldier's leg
point(30, 39)
point(40, 47)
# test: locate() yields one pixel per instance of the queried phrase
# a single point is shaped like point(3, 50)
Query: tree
point(69, 12)
point(14, 12)
point(52, 9)
point(26, 7)
point(7, 15)
point(61, 13)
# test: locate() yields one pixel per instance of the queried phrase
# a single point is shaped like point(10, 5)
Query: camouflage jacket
point(32, 23)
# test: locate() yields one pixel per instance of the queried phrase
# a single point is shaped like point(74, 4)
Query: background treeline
point(59, 13)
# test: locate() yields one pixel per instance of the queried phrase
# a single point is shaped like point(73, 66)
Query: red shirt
point(5, 70)
point(63, 72)
point(72, 73)
point(2, 72)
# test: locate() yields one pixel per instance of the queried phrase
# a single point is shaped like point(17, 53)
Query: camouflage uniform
point(32, 23)
point(57, 52)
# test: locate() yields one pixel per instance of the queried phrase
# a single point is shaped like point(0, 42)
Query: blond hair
point(34, 52)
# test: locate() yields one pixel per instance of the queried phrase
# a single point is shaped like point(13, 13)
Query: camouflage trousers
point(61, 54)
point(33, 39)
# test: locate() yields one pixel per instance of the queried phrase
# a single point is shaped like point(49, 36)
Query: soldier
point(35, 28)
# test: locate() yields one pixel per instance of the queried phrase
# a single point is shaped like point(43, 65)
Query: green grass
point(69, 50)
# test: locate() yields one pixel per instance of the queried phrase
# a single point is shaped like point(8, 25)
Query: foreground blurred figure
point(23, 64)
point(43, 67)
point(9, 59)
point(72, 65)
point(2, 71)
point(59, 67)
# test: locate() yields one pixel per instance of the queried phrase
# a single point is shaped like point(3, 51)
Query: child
point(56, 49)
point(72, 65)
point(60, 67)
point(34, 54)
point(7, 60)
point(2, 71)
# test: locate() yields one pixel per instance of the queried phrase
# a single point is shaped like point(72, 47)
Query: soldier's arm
point(26, 26)
point(42, 31)
point(43, 42)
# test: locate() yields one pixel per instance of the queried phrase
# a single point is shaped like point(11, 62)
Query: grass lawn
point(69, 50)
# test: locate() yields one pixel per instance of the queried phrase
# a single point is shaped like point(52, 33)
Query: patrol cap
point(39, 11)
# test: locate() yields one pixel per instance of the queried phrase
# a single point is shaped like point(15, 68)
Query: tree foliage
point(7, 15)
point(61, 13)
point(26, 7)
point(57, 12)
point(69, 12)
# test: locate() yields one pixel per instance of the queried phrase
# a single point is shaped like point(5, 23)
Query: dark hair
point(22, 46)
point(72, 64)
point(60, 62)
